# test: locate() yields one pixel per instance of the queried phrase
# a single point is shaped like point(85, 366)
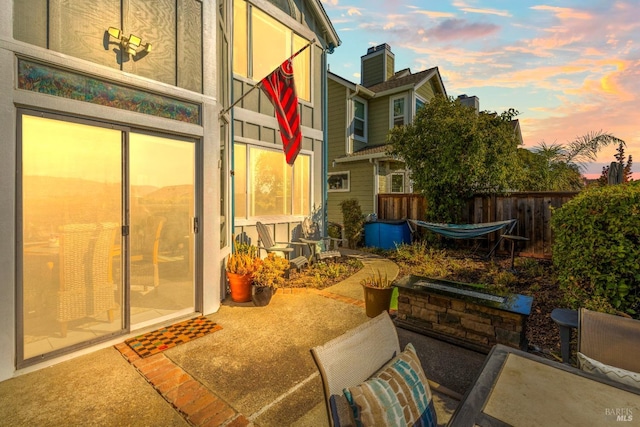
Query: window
point(360, 120)
point(398, 111)
point(270, 44)
point(338, 181)
point(419, 104)
point(397, 183)
point(266, 185)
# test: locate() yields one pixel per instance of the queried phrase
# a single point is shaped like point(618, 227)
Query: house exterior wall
point(378, 121)
point(361, 188)
point(337, 132)
point(181, 66)
point(256, 126)
point(76, 28)
point(426, 91)
point(373, 69)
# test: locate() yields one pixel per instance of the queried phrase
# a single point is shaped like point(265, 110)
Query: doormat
point(154, 342)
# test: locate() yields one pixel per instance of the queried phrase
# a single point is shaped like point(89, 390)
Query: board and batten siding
point(78, 29)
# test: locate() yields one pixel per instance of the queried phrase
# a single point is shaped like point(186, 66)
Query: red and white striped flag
point(281, 90)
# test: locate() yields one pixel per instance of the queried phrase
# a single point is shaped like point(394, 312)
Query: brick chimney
point(377, 65)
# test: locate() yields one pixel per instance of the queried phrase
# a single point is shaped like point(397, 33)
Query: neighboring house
point(360, 117)
point(266, 189)
point(115, 164)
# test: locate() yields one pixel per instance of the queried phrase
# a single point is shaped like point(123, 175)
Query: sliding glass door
point(71, 225)
point(162, 177)
point(107, 241)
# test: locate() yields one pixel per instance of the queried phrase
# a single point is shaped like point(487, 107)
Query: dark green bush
point(596, 250)
point(353, 221)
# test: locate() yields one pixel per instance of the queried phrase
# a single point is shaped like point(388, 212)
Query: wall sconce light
point(132, 45)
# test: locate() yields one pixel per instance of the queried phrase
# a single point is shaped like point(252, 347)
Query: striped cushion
point(623, 376)
point(398, 395)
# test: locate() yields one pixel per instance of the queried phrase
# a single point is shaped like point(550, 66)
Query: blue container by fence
point(386, 234)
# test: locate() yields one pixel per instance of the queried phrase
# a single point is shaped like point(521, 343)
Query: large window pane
point(271, 44)
point(270, 183)
point(240, 180)
point(71, 217)
point(302, 68)
point(302, 185)
point(162, 179)
point(240, 47)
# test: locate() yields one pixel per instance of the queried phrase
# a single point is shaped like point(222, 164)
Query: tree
point(558, 167)
point(626, 168)
point(454, 152)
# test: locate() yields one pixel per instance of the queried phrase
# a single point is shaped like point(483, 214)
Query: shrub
point(596, 248)
point(353, 221)
point(270, 271)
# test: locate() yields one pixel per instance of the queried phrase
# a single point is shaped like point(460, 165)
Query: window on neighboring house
point(398, 111)
point(266, 185)
point(397, 183)
point(338, 181)
point(360, 120)
point(270, 44)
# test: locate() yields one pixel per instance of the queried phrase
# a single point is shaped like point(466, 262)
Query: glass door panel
point(161, 249)
point(71, 227)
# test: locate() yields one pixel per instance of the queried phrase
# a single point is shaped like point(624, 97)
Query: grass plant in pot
point(241, 265)
point(267, 278)
point(377, 293)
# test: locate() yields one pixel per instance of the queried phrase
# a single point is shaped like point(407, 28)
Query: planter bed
point(464, 315)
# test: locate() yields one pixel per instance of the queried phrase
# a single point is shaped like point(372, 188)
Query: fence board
point(531, 209)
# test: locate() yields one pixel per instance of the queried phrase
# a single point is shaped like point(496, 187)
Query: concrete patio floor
point(257, 370)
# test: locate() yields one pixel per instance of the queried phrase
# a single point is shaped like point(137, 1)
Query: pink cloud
point(564, 13)
point(454, 29)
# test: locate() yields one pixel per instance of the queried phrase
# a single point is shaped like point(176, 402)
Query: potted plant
point(269, 275)
point(377, 293)
point(241, 265)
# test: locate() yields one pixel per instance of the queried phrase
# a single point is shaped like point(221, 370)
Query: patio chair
point(282, 249)
point(75, 241)
point(145, 246)
point(102, 289)
point(321, 247)
point(369, 350)
point(609, 339)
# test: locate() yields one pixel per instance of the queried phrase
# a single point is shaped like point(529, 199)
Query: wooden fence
point(531, 209)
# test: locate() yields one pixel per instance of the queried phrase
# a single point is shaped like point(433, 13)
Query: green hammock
point(466, 231)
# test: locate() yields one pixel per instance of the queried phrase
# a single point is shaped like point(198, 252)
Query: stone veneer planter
point(462, 314)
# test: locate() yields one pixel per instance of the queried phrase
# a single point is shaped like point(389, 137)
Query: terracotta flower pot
point(376, 300)
point(240, 286)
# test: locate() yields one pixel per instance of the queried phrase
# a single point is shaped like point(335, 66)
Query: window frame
point(339, 190)
point(248, 217)
point(364, 121)
point(248, 56)
point(415, 104)
point(391, 182)
point(392, 116)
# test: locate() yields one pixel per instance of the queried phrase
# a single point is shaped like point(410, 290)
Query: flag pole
point(223, 112)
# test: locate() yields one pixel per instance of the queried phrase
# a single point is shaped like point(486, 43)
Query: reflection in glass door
point(71, 226)
point(161, 182)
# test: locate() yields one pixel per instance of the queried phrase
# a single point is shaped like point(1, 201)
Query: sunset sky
point(570, 67)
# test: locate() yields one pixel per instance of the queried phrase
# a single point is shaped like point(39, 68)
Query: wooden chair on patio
point(282, 249)
point(321, 247)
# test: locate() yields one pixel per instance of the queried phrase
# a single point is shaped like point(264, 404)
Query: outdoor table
point(520, 389)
